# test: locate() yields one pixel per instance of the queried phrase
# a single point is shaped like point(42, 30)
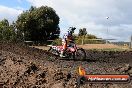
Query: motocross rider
point(67, 38)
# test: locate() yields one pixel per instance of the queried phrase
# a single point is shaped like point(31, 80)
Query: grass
point(95, 49)
point(111, 49)
point(105, 47)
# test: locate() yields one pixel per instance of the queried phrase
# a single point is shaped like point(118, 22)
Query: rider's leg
point(64, 43)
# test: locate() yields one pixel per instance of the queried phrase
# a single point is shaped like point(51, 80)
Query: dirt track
point(23, 66)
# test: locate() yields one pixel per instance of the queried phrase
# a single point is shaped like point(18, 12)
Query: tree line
point(83, 37)
point(36, 24)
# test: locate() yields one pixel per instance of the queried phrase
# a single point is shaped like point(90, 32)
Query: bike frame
point(72, 48)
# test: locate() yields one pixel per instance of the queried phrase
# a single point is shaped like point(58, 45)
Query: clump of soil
point(23, 66)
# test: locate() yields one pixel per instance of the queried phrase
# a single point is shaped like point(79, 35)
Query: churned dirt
point(28, 67)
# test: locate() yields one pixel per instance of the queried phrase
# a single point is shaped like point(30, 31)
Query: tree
point(39, 24)
point(4, 29)
point(5, 23)
point(7, 32)
point(82, 33)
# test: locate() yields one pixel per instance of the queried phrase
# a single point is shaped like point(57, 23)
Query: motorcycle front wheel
point(53, 51)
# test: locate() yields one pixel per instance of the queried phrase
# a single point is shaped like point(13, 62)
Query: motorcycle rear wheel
point(53, 51)
point(80, 54)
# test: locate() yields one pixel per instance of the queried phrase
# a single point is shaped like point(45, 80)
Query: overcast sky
point(90, 14)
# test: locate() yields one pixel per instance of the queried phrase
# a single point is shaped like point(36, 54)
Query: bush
point(88, 41)
point(57, 42)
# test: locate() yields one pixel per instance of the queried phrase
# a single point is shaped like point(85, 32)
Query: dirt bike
point(71, 52)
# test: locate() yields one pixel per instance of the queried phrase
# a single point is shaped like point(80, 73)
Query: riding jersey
point(67, 37)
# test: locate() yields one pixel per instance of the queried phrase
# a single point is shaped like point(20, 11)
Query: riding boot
point(62, 54)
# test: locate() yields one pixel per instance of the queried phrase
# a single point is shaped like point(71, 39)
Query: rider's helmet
point(71, 30)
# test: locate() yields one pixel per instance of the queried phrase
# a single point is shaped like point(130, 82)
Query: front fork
point(54, 51)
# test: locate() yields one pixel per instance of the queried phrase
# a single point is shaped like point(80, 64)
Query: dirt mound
point(17, 70)
point(23, 66)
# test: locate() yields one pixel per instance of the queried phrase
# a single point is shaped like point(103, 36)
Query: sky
point(89, 14)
